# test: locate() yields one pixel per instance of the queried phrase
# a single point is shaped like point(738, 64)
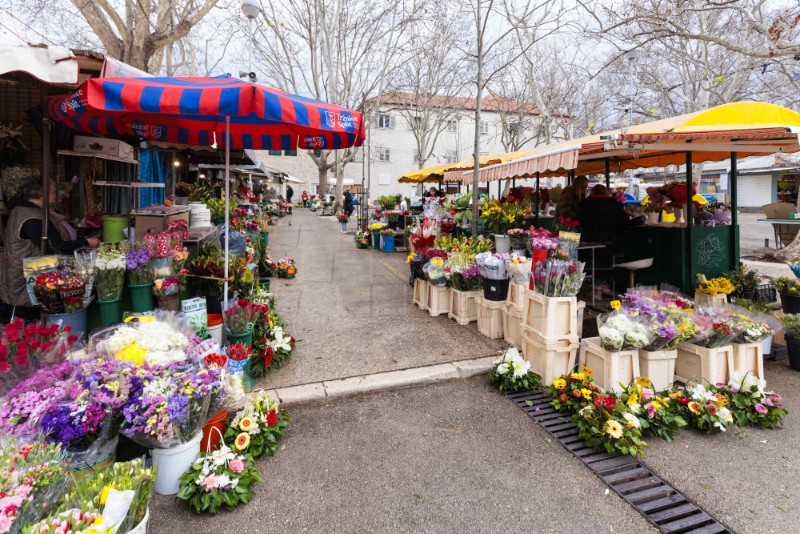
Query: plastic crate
point(550, 317)
point(748, 357)
point(438, 300)
point(610, 368)
point(548, 361)
point(701, 299)
point(767, 293)
point(463, 306)
point(696, 363)
point(516, 296)
point(512, 325)
point(421, 293)
point(658, 366)
point(490, 317)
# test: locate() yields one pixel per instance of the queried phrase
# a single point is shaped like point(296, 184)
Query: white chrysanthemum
point(620, 323)
point(611, 338)
point(635, 340)
point(635, 407)
point(631, 420)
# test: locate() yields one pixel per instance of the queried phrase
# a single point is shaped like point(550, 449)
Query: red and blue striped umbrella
point(192, 111)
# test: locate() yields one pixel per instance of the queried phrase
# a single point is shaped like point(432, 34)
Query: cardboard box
point(104, 147)
point(156, 219)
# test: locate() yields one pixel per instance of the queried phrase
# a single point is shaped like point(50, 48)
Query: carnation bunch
point(511, 372)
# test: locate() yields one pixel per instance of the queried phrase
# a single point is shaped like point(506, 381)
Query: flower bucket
point(141, 528)
point(237, 366)
point(344, 227)
point(174, 462)
point(244, 339)
point(793, 350)
point(265, 238)
point(169, 302)
point(76, 320)
point(388, 244)
point(766, 345)
point(264, 282)
point(142, 298)
point(790, 303)
point(113, 226)
point(110, 311)
point(83, 464)
point(495, 290)
point(502, 244)
point(376, 240)
point(215, 327)
point(213, 430)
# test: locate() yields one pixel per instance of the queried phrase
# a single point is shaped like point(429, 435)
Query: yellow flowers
point(246, 423)
point(559, 383)
point(409, 258)
point(587, 394)
point(242, 441)
point(578, 376)
point(715, 286)
point(613, 429)
point(694, 407)
point(132, 353)
point(104, 494)
point(633, 398)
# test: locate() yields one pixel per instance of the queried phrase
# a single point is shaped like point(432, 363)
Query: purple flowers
point(75, 425)
point(137, 262)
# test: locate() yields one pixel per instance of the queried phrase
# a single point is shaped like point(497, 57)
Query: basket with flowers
point(287, 268)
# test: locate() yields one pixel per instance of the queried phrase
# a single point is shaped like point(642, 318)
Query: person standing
point(348, 203)
point(304, 197)
point(289, 194)
point(571, 198)
point(23, 239)
point(602, 218)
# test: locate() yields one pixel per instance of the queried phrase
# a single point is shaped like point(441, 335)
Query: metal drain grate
point(662, 505)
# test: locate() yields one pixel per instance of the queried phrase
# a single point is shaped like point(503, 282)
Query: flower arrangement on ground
point(218, 478)
point(362, 239)
point(137, 261)
point(654, 411)
point(702, 408)
point(287, 268)
point(256, 428)
point(606, 424)
point(573, 391)
point(511, 372)
point(168, 405)
point(271, 343)
point(749, 404)
point(110, 271)
point(715, 286)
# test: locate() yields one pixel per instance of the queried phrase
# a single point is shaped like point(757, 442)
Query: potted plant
point(140, 278)
point(343, 218)
point(518, 238)
point(388, 239)
point(746, 281)
point(789, 291)
point(375, 230)
point(791, 322)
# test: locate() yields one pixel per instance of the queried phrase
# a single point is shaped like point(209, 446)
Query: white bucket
point(174, 462)
point(215, 332)
point(141, 528)
point(766, 345)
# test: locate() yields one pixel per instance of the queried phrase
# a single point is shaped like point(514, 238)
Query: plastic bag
point(755, 326)
point(434, 272)
point(492, 266)
point(237, 244)
point(619, 331)
point(519, 268)
point(715, 327)
point(558, 278)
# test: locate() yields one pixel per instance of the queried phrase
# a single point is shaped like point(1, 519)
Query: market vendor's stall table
point(777, 227)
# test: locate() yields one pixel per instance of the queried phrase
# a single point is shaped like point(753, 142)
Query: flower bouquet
point(465, 277)
point(168, 405)
point(60, 292)
point(511, 372)
point(217, 478)
point(571, 392)
point(158, 339)
point(238, 355)
point(240, 317)
point(362, 239)
point(750, 404)
point(166, 292)
point(272, 345)
point(566, 224)
point(715, 328)
point(110, 271)
point(702, 408)
point(519, 238)
point(256, 428)
point(24, 349)
point(137, 261)
point(715, 286)
point(618, 331)
point(607, 425)
point(343, 218)
point(77, 425)
point(423, 234)
point(29, 400)
point(287, 268)
point(519, 267)
point(654, 411)
point(558, 278)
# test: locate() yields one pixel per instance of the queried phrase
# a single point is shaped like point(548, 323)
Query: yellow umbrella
point(670, 217)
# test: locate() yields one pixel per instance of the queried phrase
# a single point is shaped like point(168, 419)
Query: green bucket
point(264, 282)
point(142, 298)
point(244, 339)
point(265, 237)
point(113, 226)
point(110, 311)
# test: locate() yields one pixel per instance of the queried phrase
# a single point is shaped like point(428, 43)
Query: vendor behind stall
point(571, 197)
point(23, 238)
point(602, 217)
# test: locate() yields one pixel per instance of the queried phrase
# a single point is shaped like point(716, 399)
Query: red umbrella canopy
point(192, 111)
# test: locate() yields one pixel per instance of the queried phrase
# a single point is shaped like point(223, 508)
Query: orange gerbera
point(290, 270)
point(242, 441)
point(694, 407)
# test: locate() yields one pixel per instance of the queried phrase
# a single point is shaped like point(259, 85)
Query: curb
point(322, 392)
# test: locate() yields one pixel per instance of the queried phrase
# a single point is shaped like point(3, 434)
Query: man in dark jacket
point(602, 218)
point(289, 194)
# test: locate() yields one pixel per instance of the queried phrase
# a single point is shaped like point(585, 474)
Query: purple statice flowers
point(75, 425)
point(137, 262)
point(28, 401)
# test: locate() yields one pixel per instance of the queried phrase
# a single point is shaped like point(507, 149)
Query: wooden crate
point(463, 306)
point(490, 317)
point(658, 366)
point(610, 368)
point(550, 317)
point(695, 363)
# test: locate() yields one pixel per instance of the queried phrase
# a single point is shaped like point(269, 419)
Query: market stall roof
point(451, 172)
point(456, 172)
point(54, 64)
point(747, 128)
point(194, 111)
point(428, 174)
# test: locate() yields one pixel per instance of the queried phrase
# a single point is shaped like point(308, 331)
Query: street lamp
point(631, 55)
point(251, 10)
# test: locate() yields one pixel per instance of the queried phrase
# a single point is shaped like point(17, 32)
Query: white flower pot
point(766, 345)
point(141, 528)
point(174, 462)
point(502, 244)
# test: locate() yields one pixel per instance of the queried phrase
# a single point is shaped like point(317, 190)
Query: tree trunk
point(477, 141)
point(787, 254)
point(323, 180)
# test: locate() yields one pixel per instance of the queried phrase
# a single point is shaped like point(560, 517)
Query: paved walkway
point(352, 309)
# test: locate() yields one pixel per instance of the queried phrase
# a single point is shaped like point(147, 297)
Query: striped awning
point(538, 161)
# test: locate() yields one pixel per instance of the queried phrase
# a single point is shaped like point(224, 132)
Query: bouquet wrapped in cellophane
point(558, 278)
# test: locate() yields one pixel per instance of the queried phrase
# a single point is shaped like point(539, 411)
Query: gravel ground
point(453, 457)
point(352, 309)
point(746, 478)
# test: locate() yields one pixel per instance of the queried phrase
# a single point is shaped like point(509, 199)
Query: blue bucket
point(388, 244)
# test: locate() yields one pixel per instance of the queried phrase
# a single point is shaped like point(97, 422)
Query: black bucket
point(495, 290)
point(793, 348)
point(790, 303)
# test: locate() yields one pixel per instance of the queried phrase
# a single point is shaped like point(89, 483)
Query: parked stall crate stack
point(438, 300)
point(748, 357)
point(702, 299)
point(549, 360)
point(658, 366)
point(512, 324)
point(490, 317)
point(610, 368)
point(516, 297)
point(549, 333)
point(464, 306)
point(698, 363)
point(421, 293)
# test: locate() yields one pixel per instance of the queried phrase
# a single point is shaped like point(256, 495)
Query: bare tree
point(339, 52)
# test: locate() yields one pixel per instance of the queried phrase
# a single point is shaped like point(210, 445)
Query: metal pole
point(734, 209)
point(687, 265)
point(45, 182)
point(499, 190)
point(513, 182)
point(608, 173)
point(227, 203)
point(537, 199)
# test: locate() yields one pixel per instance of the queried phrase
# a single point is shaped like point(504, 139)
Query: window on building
point(484, 127)
point(483, 153)
point(384, 155)
point(385, 121)
point(275, 152)
point(290, 152)
point(451, 156)
point(417, 124)
point(452, 125)
point(317, 153)
point(415, 158)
